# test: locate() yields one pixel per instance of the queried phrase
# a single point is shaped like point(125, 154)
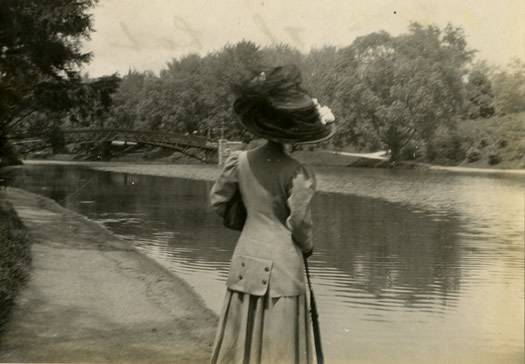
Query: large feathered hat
point(274, 106)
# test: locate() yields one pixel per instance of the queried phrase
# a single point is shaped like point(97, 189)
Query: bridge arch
point(193, 146)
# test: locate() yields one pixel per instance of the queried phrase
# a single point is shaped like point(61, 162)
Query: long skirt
point(255, 330)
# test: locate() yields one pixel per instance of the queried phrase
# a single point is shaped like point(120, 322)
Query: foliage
point(412, 151)
point(446, 147)
point(15, 258)
point(473, 154)
point(509, 88)
point(395, 89)
point(405, 93)
point(40, 53)
point(495, 141)
point(40, 58)
point(90, 101)
point(191, 96)
point(494, 158)
point(504, 135)
point(124, 111)
point(8, 155)
point(479, 94)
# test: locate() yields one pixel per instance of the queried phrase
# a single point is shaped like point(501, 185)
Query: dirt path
point(92, 298)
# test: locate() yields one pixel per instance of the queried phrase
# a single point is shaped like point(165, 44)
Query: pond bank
point(93, 298)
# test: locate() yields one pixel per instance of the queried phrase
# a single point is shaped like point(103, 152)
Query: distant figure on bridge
point(265, 314)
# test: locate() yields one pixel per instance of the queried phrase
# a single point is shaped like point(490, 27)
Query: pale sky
point(147, 34)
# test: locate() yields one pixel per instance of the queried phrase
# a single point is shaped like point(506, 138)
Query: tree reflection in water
point(388, 250)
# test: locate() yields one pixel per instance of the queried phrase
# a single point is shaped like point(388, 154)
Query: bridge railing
point(171, 138)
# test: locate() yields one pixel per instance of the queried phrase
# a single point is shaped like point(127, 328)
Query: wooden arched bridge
point(191, 145)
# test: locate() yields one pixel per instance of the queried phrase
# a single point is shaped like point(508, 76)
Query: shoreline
point(209, 172)
point(461, 169)
point(91, 297)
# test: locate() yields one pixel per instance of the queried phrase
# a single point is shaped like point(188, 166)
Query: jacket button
point(242, 264)
point(240, 276)
point(264, 281)
point(266, 269)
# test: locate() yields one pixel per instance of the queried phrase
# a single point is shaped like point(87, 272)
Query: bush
point(483, 143)
point(411, 152)
point(494, 158)
point(473, 155)
point(521, 149)
point(446, 147)
point(15, 258)
point(8, 154)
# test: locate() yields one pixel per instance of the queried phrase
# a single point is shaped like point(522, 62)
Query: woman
point(265, 315)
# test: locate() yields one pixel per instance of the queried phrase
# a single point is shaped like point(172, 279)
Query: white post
point(221, 151)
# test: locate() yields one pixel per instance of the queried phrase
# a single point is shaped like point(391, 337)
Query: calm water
point(409, 267)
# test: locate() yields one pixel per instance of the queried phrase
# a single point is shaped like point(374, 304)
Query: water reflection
point(406, 263)
point(400, 257)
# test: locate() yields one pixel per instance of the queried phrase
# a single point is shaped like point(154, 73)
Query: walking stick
point(315, 318)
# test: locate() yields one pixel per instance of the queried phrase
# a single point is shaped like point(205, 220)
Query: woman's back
point(265, 182)
point(276, 190)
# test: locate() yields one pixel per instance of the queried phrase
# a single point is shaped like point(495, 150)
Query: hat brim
point(324, 134)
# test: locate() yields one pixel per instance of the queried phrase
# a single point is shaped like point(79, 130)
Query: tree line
point(391, 92)
point(387, 92)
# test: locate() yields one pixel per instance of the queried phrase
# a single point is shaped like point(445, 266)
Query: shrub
point(483, 143)
point(494, 158)
point(8, 154)
point(446, 147)
point(15, 258)
point(521, 149)
point(473, 154)
point(411, 152)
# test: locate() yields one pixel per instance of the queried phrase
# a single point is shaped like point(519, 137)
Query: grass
point(15, 258)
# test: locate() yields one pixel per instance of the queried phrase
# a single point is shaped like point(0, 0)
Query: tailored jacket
point(277, 191)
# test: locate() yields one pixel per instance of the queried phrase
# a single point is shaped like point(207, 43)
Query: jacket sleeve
point(226, 185)
point(301, 192)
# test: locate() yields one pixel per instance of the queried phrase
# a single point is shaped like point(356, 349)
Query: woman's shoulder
point(302, 167)
point(294, 171)
point(233, 159)
point(231, 164)
point(302, 174)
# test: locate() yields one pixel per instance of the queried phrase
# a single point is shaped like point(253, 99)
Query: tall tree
point(91, 100)
point(319, 73)
point(40, 55)
point(395, 89)
point(509, 88)
point(281, 54)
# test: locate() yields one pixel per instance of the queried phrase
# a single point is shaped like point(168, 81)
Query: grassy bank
point(497, 142)
point(15, 258)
